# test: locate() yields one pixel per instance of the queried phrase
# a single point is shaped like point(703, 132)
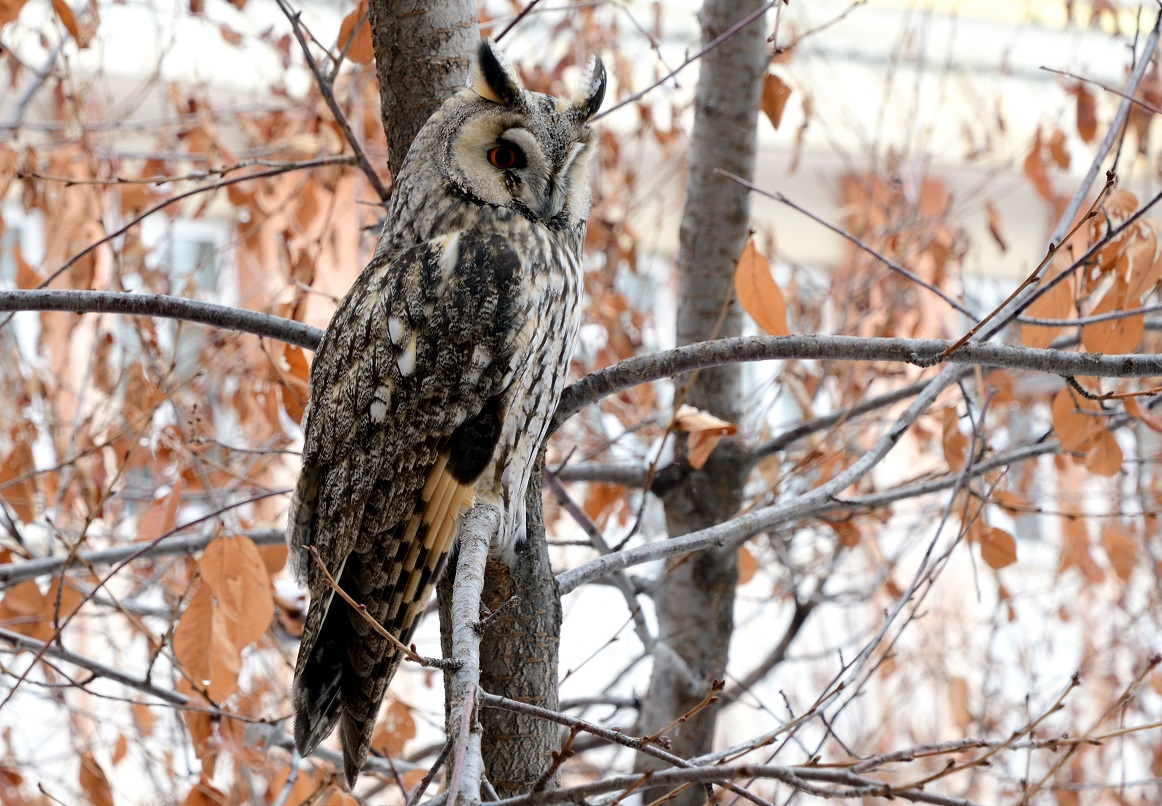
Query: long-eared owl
point(435, 381)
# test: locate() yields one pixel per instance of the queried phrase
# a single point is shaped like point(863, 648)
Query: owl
point(435, 381)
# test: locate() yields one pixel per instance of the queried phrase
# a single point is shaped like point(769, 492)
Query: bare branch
point(680, 360)
point(795, 777)
point(98, 669)
point(11, 573)
point(493, 701)
point(224, 317)
point(328, 94)
point(475, 535)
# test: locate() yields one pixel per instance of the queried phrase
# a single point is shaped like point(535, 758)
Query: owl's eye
point(506, 157)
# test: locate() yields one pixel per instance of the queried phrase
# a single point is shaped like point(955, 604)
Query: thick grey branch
point(94, 666)
point(11, 573)
point(680, 360)
point(223, 317)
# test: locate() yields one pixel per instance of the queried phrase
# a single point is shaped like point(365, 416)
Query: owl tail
point(318, 678)
point(344, 675)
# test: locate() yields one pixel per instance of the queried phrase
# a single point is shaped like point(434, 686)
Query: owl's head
point(508, 147)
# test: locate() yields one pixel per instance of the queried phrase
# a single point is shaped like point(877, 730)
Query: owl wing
point(407, 403)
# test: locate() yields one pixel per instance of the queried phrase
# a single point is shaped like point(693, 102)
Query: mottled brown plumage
point(436, 379)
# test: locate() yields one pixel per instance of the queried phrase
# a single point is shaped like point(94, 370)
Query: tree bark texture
point(518, 655)
point(695, 596)
point(422, 53)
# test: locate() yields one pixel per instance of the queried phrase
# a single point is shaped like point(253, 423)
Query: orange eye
point(506, 157)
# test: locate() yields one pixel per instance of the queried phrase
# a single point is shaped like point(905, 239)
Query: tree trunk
point(518, 657)
point(695, 598)
point(422, 53)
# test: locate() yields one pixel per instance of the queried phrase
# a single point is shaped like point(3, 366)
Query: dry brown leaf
point(1143, 263)
point(1115, 336)
point(775, 96)
point(955, 444)
point(1035, 170)
point(994, 220)
point(395, 730)
point(301, 791)
point(68, 20)
point(361, 50)
point(747, 565)
point(142, 718)
point(203, 646)
point(94, 783)
point(758, 293)
point(1009, 501)
point(1057, 150)
point(274, 557)
point(1143, 414)
point(9, 159)
point(205, 795)
point(24, 609)
point(19, 495)
point(705, 432)
point(338, 797)
point(1104, 457)
point(10, 10)
point(600, 501)
point(848, 533)
point(120, 747)
point(159, 517)
point(201, 727)
point(958, 703)
point(997, 548)
point(61, 603)
point(1075, 429)
point(1056, 303)
point(1075, 550)
point(1121, 548)
point(233, 570)
point(1086, 113)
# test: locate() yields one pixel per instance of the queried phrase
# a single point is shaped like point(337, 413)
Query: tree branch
point(493, 701)
point(746, 525)
point(224, 317)
point(796, 777)
point(11, 573)
point(475, 536)
point(328, 94)
point(680, 360)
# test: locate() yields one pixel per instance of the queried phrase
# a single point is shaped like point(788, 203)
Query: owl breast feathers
point(435, 382)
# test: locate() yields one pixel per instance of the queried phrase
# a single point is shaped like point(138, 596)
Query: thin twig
point(891, 264)
point(161, 205)
point(11, 573)
point(438, 663)
point(326, 90)
point(711, 45)
point(430, 775)
point(1147, 106)
point(617, 737)
point(524, 12)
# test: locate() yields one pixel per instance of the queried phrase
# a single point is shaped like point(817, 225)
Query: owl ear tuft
point(587, 100)
point(492, 78)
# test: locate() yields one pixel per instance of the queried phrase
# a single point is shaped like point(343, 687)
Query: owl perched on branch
point(435, 382)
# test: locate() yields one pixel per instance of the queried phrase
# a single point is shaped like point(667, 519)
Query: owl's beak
point(554, 201)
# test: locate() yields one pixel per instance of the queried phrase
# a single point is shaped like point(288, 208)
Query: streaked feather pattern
point(435, 382)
